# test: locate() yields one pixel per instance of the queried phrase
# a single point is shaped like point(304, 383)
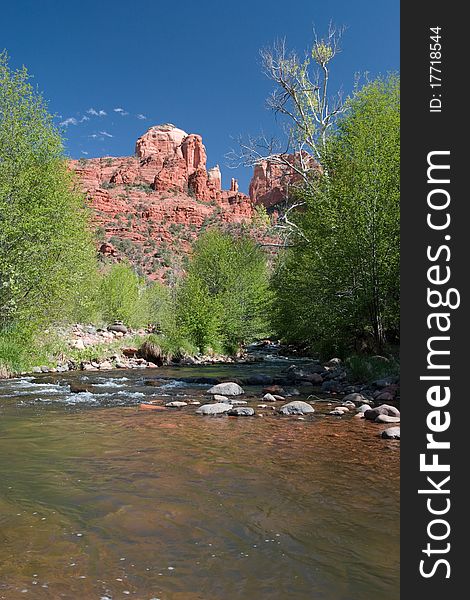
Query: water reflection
point(113, 502)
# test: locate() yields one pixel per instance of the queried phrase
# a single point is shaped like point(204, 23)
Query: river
point(100, 500)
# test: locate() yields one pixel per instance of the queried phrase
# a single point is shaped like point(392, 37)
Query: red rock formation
point(273, 180)
point(152, 206)
point(163, 140)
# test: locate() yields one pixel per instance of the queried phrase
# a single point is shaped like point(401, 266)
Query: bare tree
point(302, 96)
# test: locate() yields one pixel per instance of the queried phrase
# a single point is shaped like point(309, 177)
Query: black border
point(423, 132)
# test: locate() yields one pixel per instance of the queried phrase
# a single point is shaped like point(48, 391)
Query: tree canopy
point(339, 284)
point(47, 255)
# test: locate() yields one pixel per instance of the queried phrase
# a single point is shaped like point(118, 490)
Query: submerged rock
point(218, 408)
point(392, 433)
point(226, 389)
point(241, 411)
point(259, 379)
point(77, 388)
point(274, 389)
point(297, 407)
point(235, 402)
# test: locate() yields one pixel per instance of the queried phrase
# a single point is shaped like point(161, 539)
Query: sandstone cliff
point(276, 179)
point(151, 207)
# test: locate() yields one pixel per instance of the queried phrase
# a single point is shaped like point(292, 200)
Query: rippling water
point(101, 500)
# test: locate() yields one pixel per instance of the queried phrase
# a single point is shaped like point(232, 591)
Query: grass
point(161, 349)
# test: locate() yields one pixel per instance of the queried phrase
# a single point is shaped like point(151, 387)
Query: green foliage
point(15, 348)
point(120, 292)
point(369, 368)
point(47, 254)
point(224, 300)
point(156, 306)
point(198, 314)
point(125, 296)
point(162, 349)
point(338, 287)
point(261, 217)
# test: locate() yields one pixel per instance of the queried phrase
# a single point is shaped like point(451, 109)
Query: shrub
point(224, 301)
point(120, 292)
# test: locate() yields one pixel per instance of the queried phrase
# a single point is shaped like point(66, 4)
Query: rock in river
point(392, 433)
point(387, 419)
point(214, 409)
point(241, 411)
point(297, 407)
point(358, 399)
point(269, 398)
point(219, 398)
point(235, 402)
point(383, 409)
point(226, 389)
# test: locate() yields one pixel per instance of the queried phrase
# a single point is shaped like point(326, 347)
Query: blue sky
point(194, 64)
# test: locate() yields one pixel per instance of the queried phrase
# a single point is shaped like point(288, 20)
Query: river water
point(102, 500)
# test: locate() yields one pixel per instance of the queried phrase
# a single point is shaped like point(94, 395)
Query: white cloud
point(106, 134)
point(94, 136)
point(121, 111)
point(84, 118)
point(69, 121)
point(96, 113)
point(141, 116)
point(83, 152)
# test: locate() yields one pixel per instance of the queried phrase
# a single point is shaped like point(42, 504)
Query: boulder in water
point(392, 433)
point(297, 407)
point(226, 389)
point(219, 408)
point(241, 411)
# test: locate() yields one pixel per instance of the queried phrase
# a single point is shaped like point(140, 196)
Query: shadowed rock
point(241, 411)
point(392, 433)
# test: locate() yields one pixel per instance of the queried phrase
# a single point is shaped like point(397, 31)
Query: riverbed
point(102, 500)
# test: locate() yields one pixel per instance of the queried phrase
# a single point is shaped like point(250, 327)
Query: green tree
point(47, 255)
point(198, 314)
point(121, 292)
point(340, 282)
point(156, 306)
point(229, 275)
